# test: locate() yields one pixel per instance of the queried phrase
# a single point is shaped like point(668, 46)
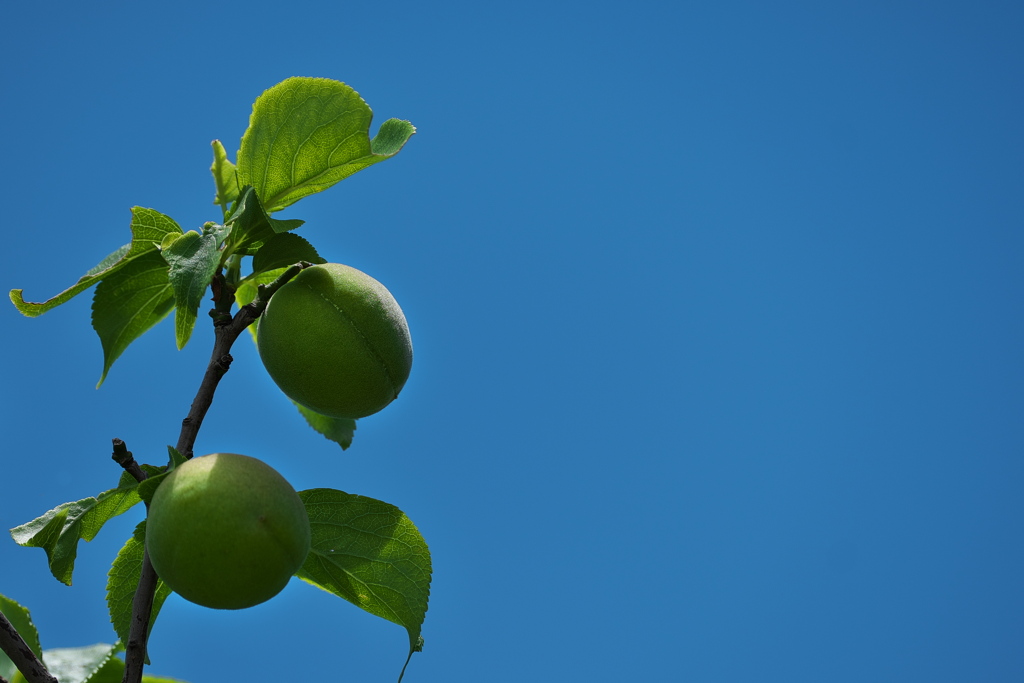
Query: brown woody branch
point(227, 329)
point(123, 457)
point(15, 647)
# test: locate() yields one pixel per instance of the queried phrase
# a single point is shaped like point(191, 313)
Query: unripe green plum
point(226, 531)
point(335, 340)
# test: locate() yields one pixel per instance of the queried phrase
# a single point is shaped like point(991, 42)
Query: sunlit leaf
point(369, 553)
point(148, 227)
point(306, 134)
point(58, 531)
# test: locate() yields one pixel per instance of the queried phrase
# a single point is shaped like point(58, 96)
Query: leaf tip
point(391, 137)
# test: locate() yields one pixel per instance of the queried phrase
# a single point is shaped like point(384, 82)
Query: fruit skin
point(336, 341)
point(226, 531)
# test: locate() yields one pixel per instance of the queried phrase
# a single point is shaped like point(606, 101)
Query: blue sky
point(716, 314)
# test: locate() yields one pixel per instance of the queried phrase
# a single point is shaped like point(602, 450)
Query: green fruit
point(226, 531)
point(336, 341)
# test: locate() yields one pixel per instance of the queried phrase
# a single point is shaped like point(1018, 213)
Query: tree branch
point(123, 457)
point(15, 647)
point(226, 330)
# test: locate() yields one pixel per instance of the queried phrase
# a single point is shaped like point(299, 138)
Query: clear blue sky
point(716, 310)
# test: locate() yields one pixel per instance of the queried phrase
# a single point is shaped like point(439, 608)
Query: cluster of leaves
point(304, 136)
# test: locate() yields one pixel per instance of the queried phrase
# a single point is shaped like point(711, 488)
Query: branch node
point(220, 319)
point(123, 457)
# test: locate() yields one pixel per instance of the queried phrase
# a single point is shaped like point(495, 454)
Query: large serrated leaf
point(193, 260)
point(128, 303)
point(123, 579)
point(22, 622)
point(369, 553)
point(58, 530)
point(306, 134)
point(148, 227)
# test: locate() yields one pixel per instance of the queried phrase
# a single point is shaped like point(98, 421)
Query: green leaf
point(283, 250)
point(156, 475)
point(59, 530)
point(123, 579)
point(248, 289)
point(217, 231)
point(340, 430)
point(148, 227)
point(92, 664)
point(91, 277)
point(82, 664)
point(306, 134)
point(22, 622)
point(251, 225)
point(128, 303)
point(224, 176)
point(110, 671)
point(193, 260)
point(369, 553)
point(134, 294)
point(391, 137)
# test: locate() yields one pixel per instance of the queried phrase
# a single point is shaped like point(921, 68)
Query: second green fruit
point(335, 341)
point(226, 531)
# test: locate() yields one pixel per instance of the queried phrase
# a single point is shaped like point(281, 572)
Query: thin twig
point(15, 647)
point(226, 330)
point(123, 457)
